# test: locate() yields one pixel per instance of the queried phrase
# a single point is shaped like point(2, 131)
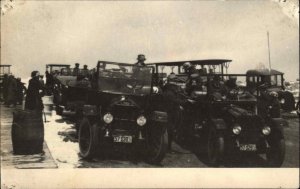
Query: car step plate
point(123, 139)
point(248, 147)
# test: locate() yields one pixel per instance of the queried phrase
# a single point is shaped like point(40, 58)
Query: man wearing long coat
point(34, 93)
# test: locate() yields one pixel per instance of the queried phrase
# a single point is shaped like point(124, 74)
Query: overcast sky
point(36, 33)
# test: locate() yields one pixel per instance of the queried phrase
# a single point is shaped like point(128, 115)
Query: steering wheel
point(135, 85)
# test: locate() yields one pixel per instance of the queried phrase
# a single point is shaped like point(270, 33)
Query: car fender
point(219, 124)
point(277, 125)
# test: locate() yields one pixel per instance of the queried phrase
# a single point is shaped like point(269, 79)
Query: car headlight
point(237, 129)
point(108, 118)
point(141, 121)
point(266, 130)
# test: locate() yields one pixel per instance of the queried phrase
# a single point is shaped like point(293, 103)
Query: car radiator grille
point(125, 117)
point(251, 129)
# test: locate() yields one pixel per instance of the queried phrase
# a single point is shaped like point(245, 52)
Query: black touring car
point(218, 108)
point(122, 107)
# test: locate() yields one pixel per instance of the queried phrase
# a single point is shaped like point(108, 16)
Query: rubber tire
point(289, 104)
point(163, 146)
point(89, 151)
point(275, 154)
point(215, 154)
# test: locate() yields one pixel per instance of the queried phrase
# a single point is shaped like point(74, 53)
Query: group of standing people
point(13, 90)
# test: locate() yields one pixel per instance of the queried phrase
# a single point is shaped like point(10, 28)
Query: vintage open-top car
point(68, 87)
point(120, 109)
point(210, 106)
point(270, 82)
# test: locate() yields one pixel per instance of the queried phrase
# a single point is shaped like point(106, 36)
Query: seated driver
point(231, 82)
point(217, 85)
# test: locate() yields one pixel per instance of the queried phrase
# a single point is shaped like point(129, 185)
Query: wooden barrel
point(27, 132)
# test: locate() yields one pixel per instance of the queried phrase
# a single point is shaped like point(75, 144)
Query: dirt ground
point(62, 150)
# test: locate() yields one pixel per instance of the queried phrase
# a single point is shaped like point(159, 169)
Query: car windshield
point(125, 79)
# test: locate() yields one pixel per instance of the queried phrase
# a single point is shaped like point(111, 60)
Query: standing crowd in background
point(13, 90)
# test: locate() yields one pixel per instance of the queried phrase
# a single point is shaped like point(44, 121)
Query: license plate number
point(123, 139)
point(248, 147)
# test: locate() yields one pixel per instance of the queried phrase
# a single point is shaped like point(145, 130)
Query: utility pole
point(269, 51)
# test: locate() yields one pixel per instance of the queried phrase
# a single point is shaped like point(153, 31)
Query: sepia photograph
point(156, 94)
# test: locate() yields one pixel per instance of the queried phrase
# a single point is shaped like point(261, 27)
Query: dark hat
point(85, 66)
point(141, 56)
point(34, 73)
point(76, 64)
point(187, 65)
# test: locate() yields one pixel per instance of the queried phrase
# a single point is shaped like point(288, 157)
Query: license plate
point(123, 139)
point(248, 147)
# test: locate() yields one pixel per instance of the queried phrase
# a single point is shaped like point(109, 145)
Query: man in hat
point(34, 95)
point(76, 69)
point(138, 71)
point(141, 60)
point(85, 71)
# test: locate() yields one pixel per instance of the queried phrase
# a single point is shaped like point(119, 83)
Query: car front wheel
point(157, 145)
point(88, 138)
point(275, 154)
point(215, 147)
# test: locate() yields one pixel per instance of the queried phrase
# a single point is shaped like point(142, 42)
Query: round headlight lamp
point(236, 129)
point(141, 121)
point(108, 118)
point(266, 130)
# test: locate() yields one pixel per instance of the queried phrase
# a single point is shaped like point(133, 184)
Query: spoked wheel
point(88, 139)
point(215, 147)
point(157, 145)
point(276, 152)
